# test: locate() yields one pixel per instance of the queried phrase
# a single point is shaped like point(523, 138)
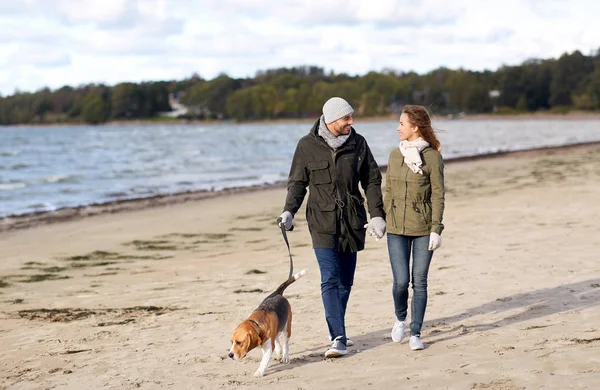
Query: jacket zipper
point(405, 192)
point(334, 178)
point(394, 213)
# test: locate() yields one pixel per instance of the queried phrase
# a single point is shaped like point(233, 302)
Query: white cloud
point(57, 42)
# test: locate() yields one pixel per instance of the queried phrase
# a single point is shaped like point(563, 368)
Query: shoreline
point(572, 115)
point(28, 220)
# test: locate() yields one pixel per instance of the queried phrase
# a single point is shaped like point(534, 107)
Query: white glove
point(287, 219)
point(435, 241)
point(376, 227)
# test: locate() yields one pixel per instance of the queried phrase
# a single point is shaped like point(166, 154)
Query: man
point(332, 160)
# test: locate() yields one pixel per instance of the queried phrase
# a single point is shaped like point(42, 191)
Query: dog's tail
point(284, 285)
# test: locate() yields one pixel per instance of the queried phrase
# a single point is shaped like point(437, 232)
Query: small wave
point(116, 194)
point(57, 178)
point(69, 191)
point(14, 167)
point(12, 186)
point(10, 154)
point(41, 207)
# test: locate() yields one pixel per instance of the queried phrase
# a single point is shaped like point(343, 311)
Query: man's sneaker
point(337, 349)
point(415, 343)
point(349, 342)
point(398, 331)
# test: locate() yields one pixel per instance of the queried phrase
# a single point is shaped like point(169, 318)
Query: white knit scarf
point(411, 150)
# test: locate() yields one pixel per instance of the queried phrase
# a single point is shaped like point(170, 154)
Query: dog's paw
point(259, 373)
point(285, 359)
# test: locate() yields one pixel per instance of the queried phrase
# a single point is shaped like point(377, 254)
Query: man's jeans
point(399, 248)
point(337, 276)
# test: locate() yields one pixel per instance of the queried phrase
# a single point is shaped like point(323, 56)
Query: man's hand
point(376, 227)
point(435, 241)
point(287, 219)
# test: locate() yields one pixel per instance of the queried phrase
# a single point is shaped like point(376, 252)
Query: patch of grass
point(256, 290)
point(255, 241)
point(16, 301)
point(125, 321)
point(102, 274)
point(536, 327)
point(34, 263)
point(42, 277)
point(144, 308)
point(56, 315)
point(215, 236)
point(95, 255)
point(585, 341)
point(73, 351)
point(4, 284)
point(68, 315)
point(96, 264)
point(248, 229)
point(255, 271)
point(45, 269)
point(148, 257)
point(53, 269)
point(153, 245)
point(108, 257)
point(183, 235)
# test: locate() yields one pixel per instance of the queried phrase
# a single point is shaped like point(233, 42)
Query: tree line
point(570, 82)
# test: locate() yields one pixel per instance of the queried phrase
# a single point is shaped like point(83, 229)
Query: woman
point(414, 205)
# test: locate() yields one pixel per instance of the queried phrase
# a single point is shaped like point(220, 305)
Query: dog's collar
point(257, 326)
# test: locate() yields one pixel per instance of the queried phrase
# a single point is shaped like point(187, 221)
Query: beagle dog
point(269, 326)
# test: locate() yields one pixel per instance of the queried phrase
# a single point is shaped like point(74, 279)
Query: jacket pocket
point(420, 210)
point(356, 212)
point(319, 172)
point(321, 217)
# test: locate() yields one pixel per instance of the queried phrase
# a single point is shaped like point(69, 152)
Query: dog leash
point(282, 226)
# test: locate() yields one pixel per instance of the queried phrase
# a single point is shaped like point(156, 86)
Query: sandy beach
point(147, 297)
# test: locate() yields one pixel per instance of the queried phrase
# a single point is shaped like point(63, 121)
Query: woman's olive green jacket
point(414, 202)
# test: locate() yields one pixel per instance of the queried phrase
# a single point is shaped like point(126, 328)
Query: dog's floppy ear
point(253, 338)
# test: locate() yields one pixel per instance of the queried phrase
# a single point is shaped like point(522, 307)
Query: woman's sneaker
point(398, 331)
point(415, 343)
point(337, 348)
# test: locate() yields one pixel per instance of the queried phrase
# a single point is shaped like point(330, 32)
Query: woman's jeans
point(337, 276)
point(399, 248)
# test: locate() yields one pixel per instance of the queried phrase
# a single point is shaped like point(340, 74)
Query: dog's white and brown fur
point(269, 326)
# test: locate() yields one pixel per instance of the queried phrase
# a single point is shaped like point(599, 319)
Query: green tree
point(94, 109)
point(567, 76)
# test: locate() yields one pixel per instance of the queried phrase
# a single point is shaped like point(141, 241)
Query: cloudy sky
point(70, 42)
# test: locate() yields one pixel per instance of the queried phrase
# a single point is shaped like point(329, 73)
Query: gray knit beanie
point(336, 108)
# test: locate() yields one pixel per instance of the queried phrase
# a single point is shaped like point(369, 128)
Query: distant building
point(177, 109)
point(494, 93)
